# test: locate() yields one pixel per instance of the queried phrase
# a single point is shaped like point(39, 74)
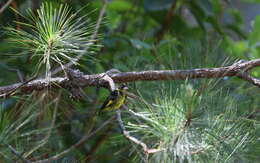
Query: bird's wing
point(110, 100)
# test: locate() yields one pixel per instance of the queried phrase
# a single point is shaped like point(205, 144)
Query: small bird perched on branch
point(115, 100)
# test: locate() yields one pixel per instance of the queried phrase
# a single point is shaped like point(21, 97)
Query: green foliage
point(16, 129)
point(54, 35)
point(190, 127)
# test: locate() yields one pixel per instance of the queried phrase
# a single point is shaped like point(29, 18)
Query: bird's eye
point(123, 86)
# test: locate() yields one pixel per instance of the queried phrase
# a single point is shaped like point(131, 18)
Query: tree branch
point(18, 154)
point(133, 139)
point(166, 23)
point(5, 6)
point(247, 77)
point(122, 77)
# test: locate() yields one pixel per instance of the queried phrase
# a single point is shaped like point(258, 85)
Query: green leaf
point(113, 19)
point(215, 24)
point(205, 6)
point(216, 6)
point(256, 72)
point(255, 52)
point(236, 16)
point(118, 5)
point(240, 47)
point(254, 36)
point(235, 28)
point(236, 48)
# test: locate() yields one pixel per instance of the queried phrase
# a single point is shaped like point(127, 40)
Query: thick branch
point(186, 74)
point(98, 79)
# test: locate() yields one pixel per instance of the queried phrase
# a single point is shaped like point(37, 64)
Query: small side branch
point(133, 139)
point(18, 154)
point(166, 23)
point(5, 6)
point(245, 76)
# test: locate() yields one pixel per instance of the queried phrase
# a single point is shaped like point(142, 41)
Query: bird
point(115, 100)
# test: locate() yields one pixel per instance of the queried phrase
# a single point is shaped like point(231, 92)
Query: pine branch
point(18, 154)
point(238, 69)
point(93, 37)
point(126, 134)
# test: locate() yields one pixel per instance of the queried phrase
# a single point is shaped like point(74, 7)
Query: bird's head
point(123, 87)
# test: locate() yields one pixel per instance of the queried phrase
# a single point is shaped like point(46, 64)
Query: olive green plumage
point(115, 100)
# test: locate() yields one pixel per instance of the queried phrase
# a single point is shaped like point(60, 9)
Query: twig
point(18, 72)
point(124, 77)
point(167, 21)
point(18, 154)
point(133, 139)
point(247, 77)
point(197, 151)
point(5, 6)
point(80, 142)
point(110, 82)
point(144, 117)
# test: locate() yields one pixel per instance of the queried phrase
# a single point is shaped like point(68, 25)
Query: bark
point(238, 69)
